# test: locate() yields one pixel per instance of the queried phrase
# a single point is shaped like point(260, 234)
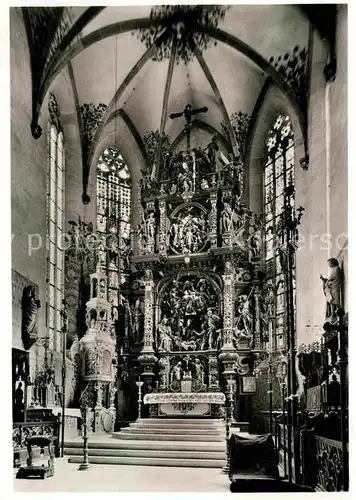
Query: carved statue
point(148, 274)
point(165, 335)
point(332, 289)
point(199, 370)
point(30, 306)
point(226, 217)
point(150, 226)
point(212, 148)
point(210, 329)
point(188, 335)
point(125, 254)
point(176, 373)
point(238, 219)
point(243, 325)
point(137, 320)
point(185, 178)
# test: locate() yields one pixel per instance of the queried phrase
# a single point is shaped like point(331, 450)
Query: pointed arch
point(271, 103)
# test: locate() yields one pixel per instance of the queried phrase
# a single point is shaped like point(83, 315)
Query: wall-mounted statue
point(332, 289)
point(30, 307)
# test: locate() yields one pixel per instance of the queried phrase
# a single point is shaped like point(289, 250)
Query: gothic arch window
point(113, 217)
point(278, 174)
point(55, 221)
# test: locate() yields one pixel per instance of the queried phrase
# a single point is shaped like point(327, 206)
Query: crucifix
point(188, 112)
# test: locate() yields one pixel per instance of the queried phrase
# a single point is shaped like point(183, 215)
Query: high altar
point(197, 318)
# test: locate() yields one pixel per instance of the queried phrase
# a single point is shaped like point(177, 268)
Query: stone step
point(151, 461)
point(158, 446)
point(158, 436)
point(173, 430)
point(194, 421)
point(141, 453)
point(157, 425)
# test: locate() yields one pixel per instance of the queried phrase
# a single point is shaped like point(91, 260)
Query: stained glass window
point(278, 174)
point(113, 216)
point(55, 249)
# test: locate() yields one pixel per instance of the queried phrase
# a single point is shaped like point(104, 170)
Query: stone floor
point(125, 478)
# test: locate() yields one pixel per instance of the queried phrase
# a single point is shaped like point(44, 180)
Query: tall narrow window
point(279, 173)
point(55, 216)
point(113, 217)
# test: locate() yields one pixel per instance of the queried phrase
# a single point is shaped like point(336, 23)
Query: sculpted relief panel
point(190, 316)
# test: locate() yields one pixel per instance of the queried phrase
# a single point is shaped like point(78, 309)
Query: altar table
point(190, 404)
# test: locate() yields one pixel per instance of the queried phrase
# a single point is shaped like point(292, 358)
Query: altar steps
point(157, 442)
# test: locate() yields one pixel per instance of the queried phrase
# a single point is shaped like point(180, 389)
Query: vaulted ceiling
point(114, 63)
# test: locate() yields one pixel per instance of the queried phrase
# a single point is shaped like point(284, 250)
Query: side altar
point(194, 303)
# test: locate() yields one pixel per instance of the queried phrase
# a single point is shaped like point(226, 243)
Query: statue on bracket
point(332, 289)
point(30, 307)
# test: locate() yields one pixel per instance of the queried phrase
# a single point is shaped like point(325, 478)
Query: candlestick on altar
point(139, 385)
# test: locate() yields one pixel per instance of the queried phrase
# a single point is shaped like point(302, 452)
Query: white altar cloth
point(217, 398)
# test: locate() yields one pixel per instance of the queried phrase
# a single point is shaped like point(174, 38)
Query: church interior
point(179, 192)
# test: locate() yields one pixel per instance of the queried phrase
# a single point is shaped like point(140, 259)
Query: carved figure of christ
point(188, 112)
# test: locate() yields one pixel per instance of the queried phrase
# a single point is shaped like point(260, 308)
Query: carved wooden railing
point(329, 464)
point(22, 431)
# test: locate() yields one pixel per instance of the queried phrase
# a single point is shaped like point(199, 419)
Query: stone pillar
point(162, 238)
point(213, 217)
point(228, 315)
point(147, 357)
